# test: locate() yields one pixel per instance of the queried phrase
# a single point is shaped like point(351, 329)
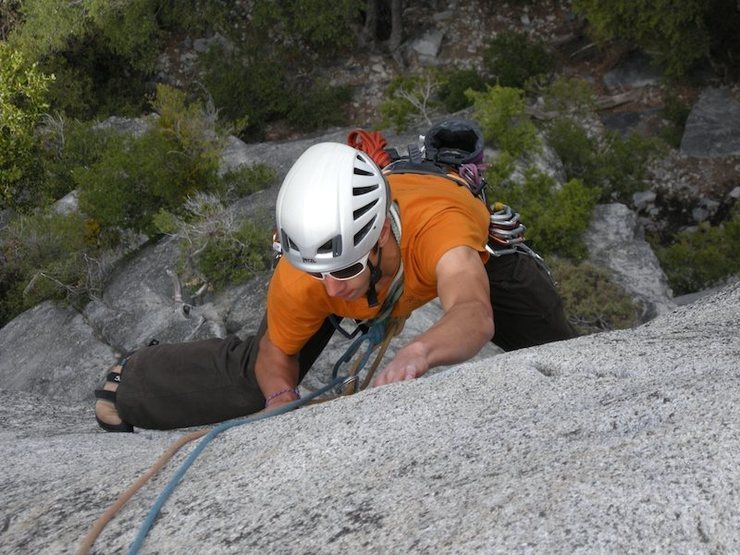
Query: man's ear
point(385, 233)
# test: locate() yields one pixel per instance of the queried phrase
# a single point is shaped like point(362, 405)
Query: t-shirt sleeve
point(295, 309)
point(450, 228)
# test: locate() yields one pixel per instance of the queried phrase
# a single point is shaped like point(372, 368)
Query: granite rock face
point(713, 126)
point(622, 442)
point(39, 353)
point(615, 241)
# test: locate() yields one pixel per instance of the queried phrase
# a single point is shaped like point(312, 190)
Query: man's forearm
point(276, 372)
point(458, 335)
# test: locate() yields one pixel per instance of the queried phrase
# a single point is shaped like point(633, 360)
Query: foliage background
point(67, 66)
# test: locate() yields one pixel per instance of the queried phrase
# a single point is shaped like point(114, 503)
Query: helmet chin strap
point(375, 271)
point(375, 274)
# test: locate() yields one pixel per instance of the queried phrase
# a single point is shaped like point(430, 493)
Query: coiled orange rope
point(372, 143)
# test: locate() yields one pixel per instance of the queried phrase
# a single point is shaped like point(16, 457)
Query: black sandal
point(106, 395)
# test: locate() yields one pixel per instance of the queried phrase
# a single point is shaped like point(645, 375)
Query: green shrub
point(409, 99)
point(592, 301)
point(500, 111)
point(199, 17)
point(555, 218)
point(315, 24)
point(454, 83)
point(675, 112)
point(130, 29)
point(576, 149)
point(623, 164)
point(616, 165)
point(126, 29)
point(569, 95)
point(320, 106)
point(698, 260)
point(249, 93)
point(48, 27)
point(101, 51)
point(135, 177)
point(500, 169)
point(69, 144)
point(216, 249)
point(233, 259)
point(678, 34)
point(511, 59)
point(246, 180)
point(48, 256)
point(22, 103)
point(246, 90)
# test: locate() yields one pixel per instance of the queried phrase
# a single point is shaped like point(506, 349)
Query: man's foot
point(105, 405)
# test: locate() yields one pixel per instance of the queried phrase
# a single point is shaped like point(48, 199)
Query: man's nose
point(333, 286)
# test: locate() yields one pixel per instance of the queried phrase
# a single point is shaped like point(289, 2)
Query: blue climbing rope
point(175, 480)
point(372, 337)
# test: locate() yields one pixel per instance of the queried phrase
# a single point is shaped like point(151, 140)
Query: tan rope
point(108, 515)
point(394, 327)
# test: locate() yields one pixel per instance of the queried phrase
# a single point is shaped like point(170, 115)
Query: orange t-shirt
point(436, 215)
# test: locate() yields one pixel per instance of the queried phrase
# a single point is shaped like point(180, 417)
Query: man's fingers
point(395, 375)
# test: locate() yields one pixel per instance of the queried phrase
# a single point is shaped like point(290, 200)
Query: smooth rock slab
point(60, 358)
point(615, 241)
point(623, 442)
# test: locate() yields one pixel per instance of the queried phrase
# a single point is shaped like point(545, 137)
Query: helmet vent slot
point(287, 241)
point(360, 171)
point(333, 246)
point(357, 191)
point(360, 235)
point(326, 247)
point(357, 214)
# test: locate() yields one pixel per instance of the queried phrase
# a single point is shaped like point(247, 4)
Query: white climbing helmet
point(331, 208)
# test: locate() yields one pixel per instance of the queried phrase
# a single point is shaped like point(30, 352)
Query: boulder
point(620, 442)
point(141, 303)
point(427, 47)
point(635, 71)
point(52, 351)
point(615, 241)
point(713, 127)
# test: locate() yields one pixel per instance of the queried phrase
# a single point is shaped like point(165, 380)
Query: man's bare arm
point(275, 372)
point(467, 324)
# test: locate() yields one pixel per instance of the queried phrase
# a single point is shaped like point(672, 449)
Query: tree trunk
point(370, 30)
point(396, 26)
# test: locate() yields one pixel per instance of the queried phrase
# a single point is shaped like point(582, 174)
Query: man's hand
point(467, 324)
point(408, 364)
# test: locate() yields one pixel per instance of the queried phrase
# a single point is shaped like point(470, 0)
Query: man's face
point(357, 286)
point(349, 289)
